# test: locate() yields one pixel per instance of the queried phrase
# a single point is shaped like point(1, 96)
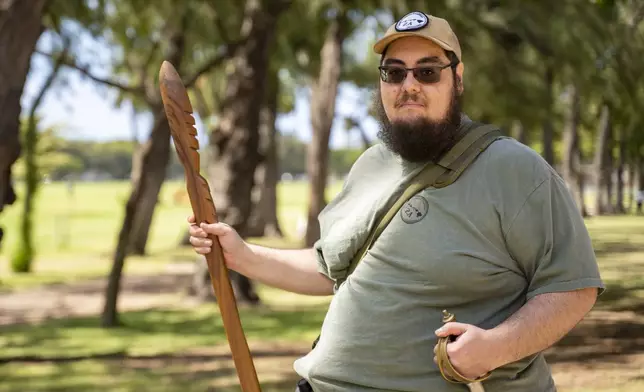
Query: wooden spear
point(178, 110)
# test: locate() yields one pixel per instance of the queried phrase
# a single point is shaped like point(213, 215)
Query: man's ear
point(460, 68)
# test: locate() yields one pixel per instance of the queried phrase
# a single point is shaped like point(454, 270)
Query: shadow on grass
point(611, 342)
point(622, 296)
point(152, 332)
point(613, 330)
point(125, 376)
point(607, 247)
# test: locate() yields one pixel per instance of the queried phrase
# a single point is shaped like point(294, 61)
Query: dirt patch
point(606, 350)
point(86, 298)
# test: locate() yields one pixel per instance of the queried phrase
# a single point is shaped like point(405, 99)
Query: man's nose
point(410, 83)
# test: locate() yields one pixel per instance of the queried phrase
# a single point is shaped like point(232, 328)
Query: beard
point(419, 139)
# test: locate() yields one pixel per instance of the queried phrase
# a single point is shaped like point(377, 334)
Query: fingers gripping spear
point(178, 111)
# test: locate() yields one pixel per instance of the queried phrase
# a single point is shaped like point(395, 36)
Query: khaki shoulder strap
point(440, 175)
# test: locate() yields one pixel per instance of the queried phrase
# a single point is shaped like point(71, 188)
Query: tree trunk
point(519, 132)
point(581, 191)
point(154, 157)
point(366, 142)
point(621, 167)
point(571, 163)
point(640, 173)
point(632, 181)
point(609, 171)
point(23, 260)
point(20, 28)
point(323, 99)
point(263, 220)
point(158, 149)
point(548, 131)
point(600, 165)
point(234, 143)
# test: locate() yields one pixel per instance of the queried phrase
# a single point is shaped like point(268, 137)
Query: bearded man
point(504, 247)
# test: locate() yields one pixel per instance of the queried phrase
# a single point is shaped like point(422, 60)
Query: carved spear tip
point(168, 73)
point(172, 88)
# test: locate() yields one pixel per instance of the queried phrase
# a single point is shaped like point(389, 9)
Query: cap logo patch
point(412, 21)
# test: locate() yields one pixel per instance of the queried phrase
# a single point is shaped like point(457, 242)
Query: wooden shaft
point(179, 114)
point(230, 315)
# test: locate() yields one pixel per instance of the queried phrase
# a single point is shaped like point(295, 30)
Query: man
point(503, 247)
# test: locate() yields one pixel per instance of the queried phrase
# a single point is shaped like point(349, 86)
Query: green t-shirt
point(505, 231)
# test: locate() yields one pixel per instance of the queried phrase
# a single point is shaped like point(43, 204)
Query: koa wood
point(178, 110)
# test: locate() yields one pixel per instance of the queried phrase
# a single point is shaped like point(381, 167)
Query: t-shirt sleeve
point(549, 240)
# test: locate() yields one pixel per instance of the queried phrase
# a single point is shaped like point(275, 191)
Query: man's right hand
point(233, 247)
point(294, 270)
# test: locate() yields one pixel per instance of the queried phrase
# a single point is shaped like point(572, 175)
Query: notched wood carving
point(182, 127)
point(179, 111)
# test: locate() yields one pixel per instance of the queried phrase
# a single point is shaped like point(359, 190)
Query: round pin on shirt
point(412, 21)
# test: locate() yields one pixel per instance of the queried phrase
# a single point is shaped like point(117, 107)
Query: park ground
point(50, 338)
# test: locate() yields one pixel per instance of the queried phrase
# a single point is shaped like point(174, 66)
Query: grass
point(155, 332)
point(75, 234)
point(131, 376)
point(619, 245)
point(183, 348)
point(176, 348)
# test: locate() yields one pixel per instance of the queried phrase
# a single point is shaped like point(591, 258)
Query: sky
point(84, 110)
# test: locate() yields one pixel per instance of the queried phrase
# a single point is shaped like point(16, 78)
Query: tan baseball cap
point(421, 25)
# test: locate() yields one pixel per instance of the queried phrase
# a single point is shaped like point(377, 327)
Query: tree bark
point(601, 167)
point(609, 171)
point(263, 220)
point(640, 173)
point(571, 163)
point(234, 143)
point(323, 99)
point(621, 167)
point(158, 149)
point(154, 158)
point(519, 132)
point(581, 191)
point(548, 131)
point(20, 28)
point(22, 261)
point(632, 182)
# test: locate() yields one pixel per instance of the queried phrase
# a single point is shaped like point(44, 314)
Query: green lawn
point(283, 317)
point(183, 348)
point(168, 349)
point(75, 234)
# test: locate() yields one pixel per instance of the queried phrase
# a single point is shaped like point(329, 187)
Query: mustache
point(406, 96)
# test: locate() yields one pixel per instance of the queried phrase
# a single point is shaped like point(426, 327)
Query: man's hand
point(474, 353)
point(541, 322)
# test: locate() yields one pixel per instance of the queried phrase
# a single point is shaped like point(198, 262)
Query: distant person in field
point(639, 199)
point(503, 248)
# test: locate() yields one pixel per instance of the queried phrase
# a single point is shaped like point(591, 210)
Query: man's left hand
point(474, 352)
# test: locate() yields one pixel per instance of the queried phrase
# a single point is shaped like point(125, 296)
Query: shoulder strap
point(439, 175)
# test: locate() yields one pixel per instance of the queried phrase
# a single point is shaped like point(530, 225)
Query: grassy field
point(180, 345)
point(76, 232)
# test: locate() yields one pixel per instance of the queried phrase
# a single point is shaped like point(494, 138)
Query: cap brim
point(379, 47)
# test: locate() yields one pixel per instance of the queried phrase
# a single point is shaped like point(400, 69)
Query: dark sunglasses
point(426, 74)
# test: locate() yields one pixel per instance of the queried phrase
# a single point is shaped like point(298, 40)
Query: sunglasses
point(427, 74)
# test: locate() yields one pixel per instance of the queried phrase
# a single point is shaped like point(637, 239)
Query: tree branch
point(221, 29)
point(225, 54)
point(138, 90)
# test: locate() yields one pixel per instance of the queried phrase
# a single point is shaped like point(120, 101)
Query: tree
point(24, 254)
point(323, 98)
point(149, 173)
point(234, 141)
point(20, 27)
